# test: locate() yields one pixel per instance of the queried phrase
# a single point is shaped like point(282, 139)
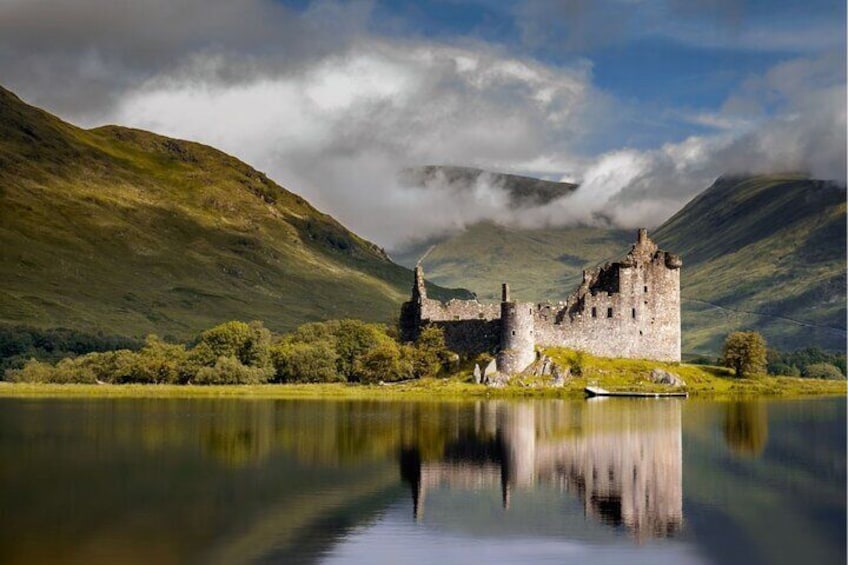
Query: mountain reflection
point(623, 459)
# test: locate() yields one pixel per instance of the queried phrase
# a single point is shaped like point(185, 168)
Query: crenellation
point(629, 308)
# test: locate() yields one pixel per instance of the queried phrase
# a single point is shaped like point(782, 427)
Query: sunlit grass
point(612, 374)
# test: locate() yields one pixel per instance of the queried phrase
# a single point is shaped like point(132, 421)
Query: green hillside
point(764, 253)
point(128, 232)
point(543, 264)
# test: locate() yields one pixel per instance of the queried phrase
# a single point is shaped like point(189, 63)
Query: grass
point(612, 374)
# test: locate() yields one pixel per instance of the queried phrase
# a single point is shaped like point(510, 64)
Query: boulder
point(490, 370)
point(497, 380)
point(664, 377)
point(478, 376)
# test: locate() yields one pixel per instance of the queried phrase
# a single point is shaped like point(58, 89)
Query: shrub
point(783, 369)
point(823, 371)
point(33, 371)
point(229, 370)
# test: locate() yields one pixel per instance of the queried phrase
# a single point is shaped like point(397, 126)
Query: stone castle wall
point(629, 309)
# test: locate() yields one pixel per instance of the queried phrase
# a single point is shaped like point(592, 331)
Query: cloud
point(333, 110)
point(801, 128)
point(339, 130)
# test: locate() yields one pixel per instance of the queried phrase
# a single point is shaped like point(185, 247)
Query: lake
point(298, 481)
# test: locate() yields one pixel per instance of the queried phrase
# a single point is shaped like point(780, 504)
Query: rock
point(497, 380)
point(663, 377)
point(490, 370)
point(477, 374)
point(541, 367)
point(559, 376)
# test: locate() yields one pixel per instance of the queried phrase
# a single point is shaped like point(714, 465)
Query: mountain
point(542, 264)
point(763, 252)
point(524, 192)
point(125, 231)
point(766, 253)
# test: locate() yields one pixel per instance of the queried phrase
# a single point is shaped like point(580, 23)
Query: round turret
point(517, 340)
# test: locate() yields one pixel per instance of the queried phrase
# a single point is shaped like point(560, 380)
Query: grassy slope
point(129, 232)
point(764, 253)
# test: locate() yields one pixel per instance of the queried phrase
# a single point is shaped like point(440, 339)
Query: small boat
point(598, 391)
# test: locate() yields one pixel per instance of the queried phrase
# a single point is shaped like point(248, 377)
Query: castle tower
point(647, 304)
point(419, 290)
point(410, 312)
point(517, 341)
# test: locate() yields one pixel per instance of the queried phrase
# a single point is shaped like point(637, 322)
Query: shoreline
point(429, 389)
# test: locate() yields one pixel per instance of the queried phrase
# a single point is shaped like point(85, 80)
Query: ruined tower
point(629, 308)
point(517, 342)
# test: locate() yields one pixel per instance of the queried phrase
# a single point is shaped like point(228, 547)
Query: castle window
point(646, 288)
point(609, 312)
point(633, 313)
point(594, 312)
point(513, 332)
point(481, 315)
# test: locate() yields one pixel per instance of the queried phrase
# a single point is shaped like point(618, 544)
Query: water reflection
point(746, 427)
point(621, 458)
point(235, 481)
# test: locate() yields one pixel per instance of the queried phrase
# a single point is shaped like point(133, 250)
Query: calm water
point(607, 481)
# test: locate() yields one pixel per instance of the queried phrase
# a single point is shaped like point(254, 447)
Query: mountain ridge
point(125, 231)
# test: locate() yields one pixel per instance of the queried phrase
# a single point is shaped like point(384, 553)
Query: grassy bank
point(613, 374)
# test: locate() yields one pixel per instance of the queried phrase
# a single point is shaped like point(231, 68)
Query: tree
point(305, 362)
point(430, 352)
point(383, 362)
point(248, 343)
point(745, 353)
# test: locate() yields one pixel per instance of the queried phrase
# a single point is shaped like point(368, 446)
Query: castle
point(629, 308)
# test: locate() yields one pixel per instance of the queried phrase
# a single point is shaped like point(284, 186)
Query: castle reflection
point(621, 458)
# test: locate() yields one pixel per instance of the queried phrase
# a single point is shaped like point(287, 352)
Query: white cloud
point(339, 130)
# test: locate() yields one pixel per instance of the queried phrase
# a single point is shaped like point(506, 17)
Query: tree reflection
point(746, 427)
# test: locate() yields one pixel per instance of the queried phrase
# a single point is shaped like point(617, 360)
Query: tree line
point(19, 343)
point(248, 353)
point(746, 353)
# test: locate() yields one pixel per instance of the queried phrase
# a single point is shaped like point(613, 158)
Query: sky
point(643, 103)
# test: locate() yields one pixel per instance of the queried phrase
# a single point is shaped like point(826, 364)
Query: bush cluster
point(353, 351)
point(246, 353)
point(810, 362)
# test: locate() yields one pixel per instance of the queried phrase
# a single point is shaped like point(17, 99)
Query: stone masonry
point(629, 308)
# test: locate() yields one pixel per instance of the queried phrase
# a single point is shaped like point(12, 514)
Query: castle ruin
point(629, 308)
